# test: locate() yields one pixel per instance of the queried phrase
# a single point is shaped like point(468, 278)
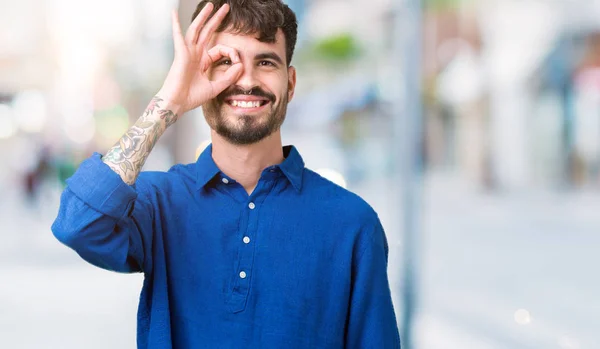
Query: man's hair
point(259, 17)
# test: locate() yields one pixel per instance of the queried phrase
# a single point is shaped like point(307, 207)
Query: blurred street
point(510, 271)
point(492, 107)
point(484, 258)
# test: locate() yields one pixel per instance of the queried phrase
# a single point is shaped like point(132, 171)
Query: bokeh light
point(9, 127)
point(333, 175)
point(30, 111)
point(522, 317)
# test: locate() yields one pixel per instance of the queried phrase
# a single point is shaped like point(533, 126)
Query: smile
point(247, 104)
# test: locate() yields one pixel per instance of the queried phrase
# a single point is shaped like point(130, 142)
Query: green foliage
point(340, 47)
point(442, 4)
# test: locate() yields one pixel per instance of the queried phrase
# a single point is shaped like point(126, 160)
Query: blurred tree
point(339, 47)
point(443, 4)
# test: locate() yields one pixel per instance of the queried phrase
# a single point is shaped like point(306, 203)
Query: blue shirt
point(300, 263)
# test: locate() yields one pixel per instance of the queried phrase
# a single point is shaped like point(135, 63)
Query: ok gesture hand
point(187, 85)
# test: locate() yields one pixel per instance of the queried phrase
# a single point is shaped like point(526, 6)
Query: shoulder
point(338, 200)
point(347, 212)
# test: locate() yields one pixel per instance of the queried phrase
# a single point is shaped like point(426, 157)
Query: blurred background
point(471, 126)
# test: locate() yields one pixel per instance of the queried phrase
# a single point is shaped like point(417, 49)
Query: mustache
point(255, 91)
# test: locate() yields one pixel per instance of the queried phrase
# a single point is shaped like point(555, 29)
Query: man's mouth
point(247, 103)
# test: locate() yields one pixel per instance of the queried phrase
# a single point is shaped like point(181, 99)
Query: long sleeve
point(371, 320)
point(107, 222)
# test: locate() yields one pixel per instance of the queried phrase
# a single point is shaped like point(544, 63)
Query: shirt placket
point(248, 232)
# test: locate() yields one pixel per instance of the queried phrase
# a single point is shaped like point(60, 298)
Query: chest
point(270, 250)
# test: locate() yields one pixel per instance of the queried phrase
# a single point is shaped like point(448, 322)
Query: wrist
point(166, 103)
point(163, 111)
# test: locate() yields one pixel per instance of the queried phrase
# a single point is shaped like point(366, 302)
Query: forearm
point(127, 157)
point(107, 222)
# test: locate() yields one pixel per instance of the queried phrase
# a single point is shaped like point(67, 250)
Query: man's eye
point(225, 62)
point(266, 64)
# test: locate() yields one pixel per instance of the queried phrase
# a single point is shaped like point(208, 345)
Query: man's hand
point(187, 85)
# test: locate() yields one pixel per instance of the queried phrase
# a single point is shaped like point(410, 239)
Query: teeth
point(246, 104)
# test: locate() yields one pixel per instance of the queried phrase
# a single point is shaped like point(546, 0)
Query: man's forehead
point(248, 41)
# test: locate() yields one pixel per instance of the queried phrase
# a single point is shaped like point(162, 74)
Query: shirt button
point(243, 274)
point(251, 205)
point(246, 240)
point(225, 180)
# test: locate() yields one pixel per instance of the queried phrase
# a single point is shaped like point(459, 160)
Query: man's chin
point(244, 135)
point(241, 115)
point(242, 139)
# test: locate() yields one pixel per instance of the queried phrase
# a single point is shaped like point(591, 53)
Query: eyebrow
point(269, 55)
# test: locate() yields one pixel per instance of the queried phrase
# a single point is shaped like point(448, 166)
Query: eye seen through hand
point(261, 63)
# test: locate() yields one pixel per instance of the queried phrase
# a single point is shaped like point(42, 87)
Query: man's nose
point(248, 78)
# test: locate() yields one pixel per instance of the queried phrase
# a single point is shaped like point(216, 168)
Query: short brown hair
point(261, 17)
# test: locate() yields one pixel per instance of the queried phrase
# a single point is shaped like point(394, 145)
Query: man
point(244, 248)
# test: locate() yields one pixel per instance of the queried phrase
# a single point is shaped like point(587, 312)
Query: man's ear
point(291, 82)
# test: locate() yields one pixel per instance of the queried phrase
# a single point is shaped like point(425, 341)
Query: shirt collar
point(292, 167)
point(206, 169)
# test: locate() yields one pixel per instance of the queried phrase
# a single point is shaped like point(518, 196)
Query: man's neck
point(245, 163)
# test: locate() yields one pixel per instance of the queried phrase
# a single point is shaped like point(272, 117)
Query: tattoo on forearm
point(128, 156)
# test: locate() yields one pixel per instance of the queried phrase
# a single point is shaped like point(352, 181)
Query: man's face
point(254, 106)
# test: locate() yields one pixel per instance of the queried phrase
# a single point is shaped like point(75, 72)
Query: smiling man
point(245, 248)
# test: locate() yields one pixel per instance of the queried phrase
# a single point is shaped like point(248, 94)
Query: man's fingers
point(191, 36)
point(217, 52)
point(227, 79)
point(177, 36)
point(212, 25)
point(234, 69)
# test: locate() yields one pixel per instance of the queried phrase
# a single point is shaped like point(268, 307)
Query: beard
point(245, 129)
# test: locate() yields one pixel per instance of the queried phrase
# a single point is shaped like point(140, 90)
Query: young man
point(245, 248)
